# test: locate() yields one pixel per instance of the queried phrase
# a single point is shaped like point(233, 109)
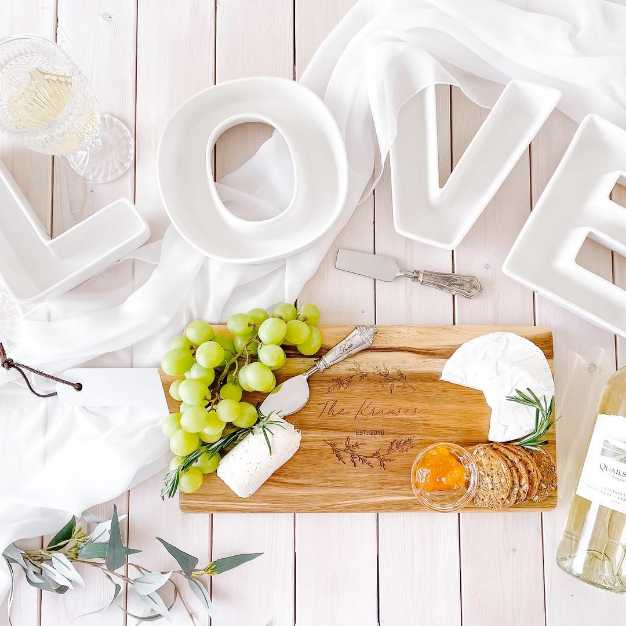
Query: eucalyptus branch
point(53, 568)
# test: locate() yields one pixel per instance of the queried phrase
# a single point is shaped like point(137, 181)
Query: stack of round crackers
point(509, 474)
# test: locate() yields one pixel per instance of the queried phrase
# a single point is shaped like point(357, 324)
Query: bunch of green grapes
point(213, 369)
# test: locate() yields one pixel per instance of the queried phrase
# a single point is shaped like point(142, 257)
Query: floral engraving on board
point(349, 451)
point(393, 380)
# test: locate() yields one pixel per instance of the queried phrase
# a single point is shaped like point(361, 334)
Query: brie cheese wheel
point(249, 464)
point(497, 364)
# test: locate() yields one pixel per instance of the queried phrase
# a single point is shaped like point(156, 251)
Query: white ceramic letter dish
point(574, 206)
point(34, 267)
point(442, 216)
point(318, 158)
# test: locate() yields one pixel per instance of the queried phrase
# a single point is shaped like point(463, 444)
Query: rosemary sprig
point(171, 480)
point(543, 418)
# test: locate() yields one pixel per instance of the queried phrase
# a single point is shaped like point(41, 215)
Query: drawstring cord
point(8, 364)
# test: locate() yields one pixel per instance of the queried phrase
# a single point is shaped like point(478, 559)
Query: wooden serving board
point(366, 420)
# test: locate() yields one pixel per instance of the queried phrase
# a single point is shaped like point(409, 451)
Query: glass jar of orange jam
point(444, 477)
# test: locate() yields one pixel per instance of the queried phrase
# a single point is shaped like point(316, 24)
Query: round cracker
point(494, 478)
point(547, 472)
point(519, 462)
point(533, 472)
point(515, 475)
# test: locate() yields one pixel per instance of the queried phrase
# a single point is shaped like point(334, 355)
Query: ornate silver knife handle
point(456, 284)
point(360, 338)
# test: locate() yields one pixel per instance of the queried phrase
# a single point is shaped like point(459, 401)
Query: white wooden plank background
point(144, 58)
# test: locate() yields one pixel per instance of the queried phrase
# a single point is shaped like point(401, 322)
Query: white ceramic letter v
point(443, 216)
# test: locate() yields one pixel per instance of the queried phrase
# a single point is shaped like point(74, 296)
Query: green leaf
point(230, 562)
point(98, 550)
point(150, 582)
point(65, 567)
point(186, 561)
point(202, 593)
point(116, 556)
point(63, 536)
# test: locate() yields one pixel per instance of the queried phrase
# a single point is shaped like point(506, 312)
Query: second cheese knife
point(386, 268)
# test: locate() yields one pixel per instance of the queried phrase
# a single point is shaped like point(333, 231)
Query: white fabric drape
point(378, 57)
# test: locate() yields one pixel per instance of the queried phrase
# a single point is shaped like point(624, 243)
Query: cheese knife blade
point(293, 394)
point(376, 266)
point(386, 268)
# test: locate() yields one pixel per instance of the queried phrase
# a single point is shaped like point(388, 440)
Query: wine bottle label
point(603, 478)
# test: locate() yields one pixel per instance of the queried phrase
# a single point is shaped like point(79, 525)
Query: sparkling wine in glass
point(46, 104)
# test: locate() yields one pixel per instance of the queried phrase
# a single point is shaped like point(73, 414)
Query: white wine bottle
point(593, 546)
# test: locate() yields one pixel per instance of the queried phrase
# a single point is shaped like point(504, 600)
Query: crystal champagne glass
point(47, 105)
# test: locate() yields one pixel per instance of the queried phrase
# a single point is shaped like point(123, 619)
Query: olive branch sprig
point(544, 410)
point(264, 424)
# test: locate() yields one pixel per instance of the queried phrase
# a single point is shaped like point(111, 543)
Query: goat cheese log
point(249, 464)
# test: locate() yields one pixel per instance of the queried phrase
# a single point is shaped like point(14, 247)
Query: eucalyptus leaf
point(186, 561)
point(57, 577)
point(202, 593)
point(41, 580)
point(158, 606)
point(230, 562)
point(63, 536)
point(64, 566)
point(98, 550)
point(150, 582)
point(14, 554)
point(151, 607)
point(116, 556)
point(102, 531)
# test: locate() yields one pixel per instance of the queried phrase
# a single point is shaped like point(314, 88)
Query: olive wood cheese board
point(366, 420)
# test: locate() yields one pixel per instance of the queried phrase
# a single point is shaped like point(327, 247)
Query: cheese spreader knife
point(293, 394)
point(386, 268)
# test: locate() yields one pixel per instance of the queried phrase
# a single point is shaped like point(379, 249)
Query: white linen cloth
point(380, 55)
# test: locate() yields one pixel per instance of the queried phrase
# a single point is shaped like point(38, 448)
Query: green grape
point(180, 342)
point(177, 362)
point(170, 424)
point(285, 311)
point(207, 463)
point(272, 356)
point(232, 377)
point(194, 419)
point(173, 391)
point(185, 407)
point(208, 438)
point(258, 315)
point(251, 347)
point(310, 314)
point(243, 380)
point(192, 391)
point(198, 332)
point(312, 344)
point(191, 480)
point(203, 374)
point(183, 443)
point(175, 461)
point(214, 425)
point(248, 415)
point(260, 377)
point(226, 341)
point(272, 331)
point(297, 332)
point(210, 354)
point(239, 324)
point(227, 410)
point(230, 391)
